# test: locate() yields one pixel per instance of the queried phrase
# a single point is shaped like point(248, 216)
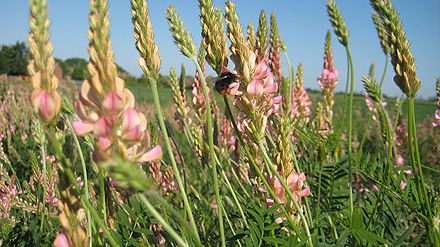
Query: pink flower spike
point(152, 155)
point(61, 240)
point(255, 89)
point(113, 103)
point(82, 128)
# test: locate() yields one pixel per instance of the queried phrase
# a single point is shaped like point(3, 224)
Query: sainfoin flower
point(44, 98)
point(62, 240)
point(327, 82)
point(295, 182)
point(106, 108)
point(301, 103)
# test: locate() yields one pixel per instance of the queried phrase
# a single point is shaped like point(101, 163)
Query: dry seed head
point(261, 44)
point(180, 34)
point(284, 157)
point(251, 36)
point(401, 55)
point(213, 35)
point(101, 65)
point(381, 33)
point(337, 22)
point(239, 49)
point(299, 81)
point(177, 95)
point(274, 53)
point(144, 36)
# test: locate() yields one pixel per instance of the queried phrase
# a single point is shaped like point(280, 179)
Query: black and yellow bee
point(224, 81)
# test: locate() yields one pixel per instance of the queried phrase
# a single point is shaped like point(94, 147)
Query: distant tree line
point(14, 59)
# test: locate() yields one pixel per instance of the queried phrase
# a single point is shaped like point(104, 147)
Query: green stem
point(384, 71)
point(211, 150)
point(66, 167)
point(102, 193)
point(43, 203)
point(161, 220)
point(234, 196)
point(86, 182)
point(350, 130)
point(257, 169)
point(171, 155)
point(412, 139)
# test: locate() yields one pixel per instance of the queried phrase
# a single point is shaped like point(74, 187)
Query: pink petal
point(130, 119)
point(44, 104)
point(104, 143)
point(152, 155)
point(61, 240)
point(101, 127)
point(271, 88)
point(82, 128)
point(255, 89)
point(113, 103)
point(261, 70)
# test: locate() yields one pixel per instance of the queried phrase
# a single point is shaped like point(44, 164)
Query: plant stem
point(415, 157)
point(159, 218)
point(211, 150)
point(257, 170)
point(102, 193)
point(171, 155)
point(43, 157)
point(86, 183)
point(384, 71)
point(68, 171)
point(350, 131)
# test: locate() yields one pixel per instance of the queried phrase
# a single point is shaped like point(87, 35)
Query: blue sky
point(302, 25)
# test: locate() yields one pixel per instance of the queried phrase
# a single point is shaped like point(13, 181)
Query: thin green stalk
point(86, 183)
point(102, 193)
point(411, 150)
point(159, 218)
point(234, 196)
point(211, 150)
point(384, 71)
point(350, 131)
point(257, 169)
point(271, 167)
point(66, 167)
point(416, 158)
point(43, 157)
point(171, 155)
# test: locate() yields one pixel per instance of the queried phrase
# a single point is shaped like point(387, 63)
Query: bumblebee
point(223, 83)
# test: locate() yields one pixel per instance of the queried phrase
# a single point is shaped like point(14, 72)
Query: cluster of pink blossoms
point(114, 122)
point(295, 182)
point(256, 98)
